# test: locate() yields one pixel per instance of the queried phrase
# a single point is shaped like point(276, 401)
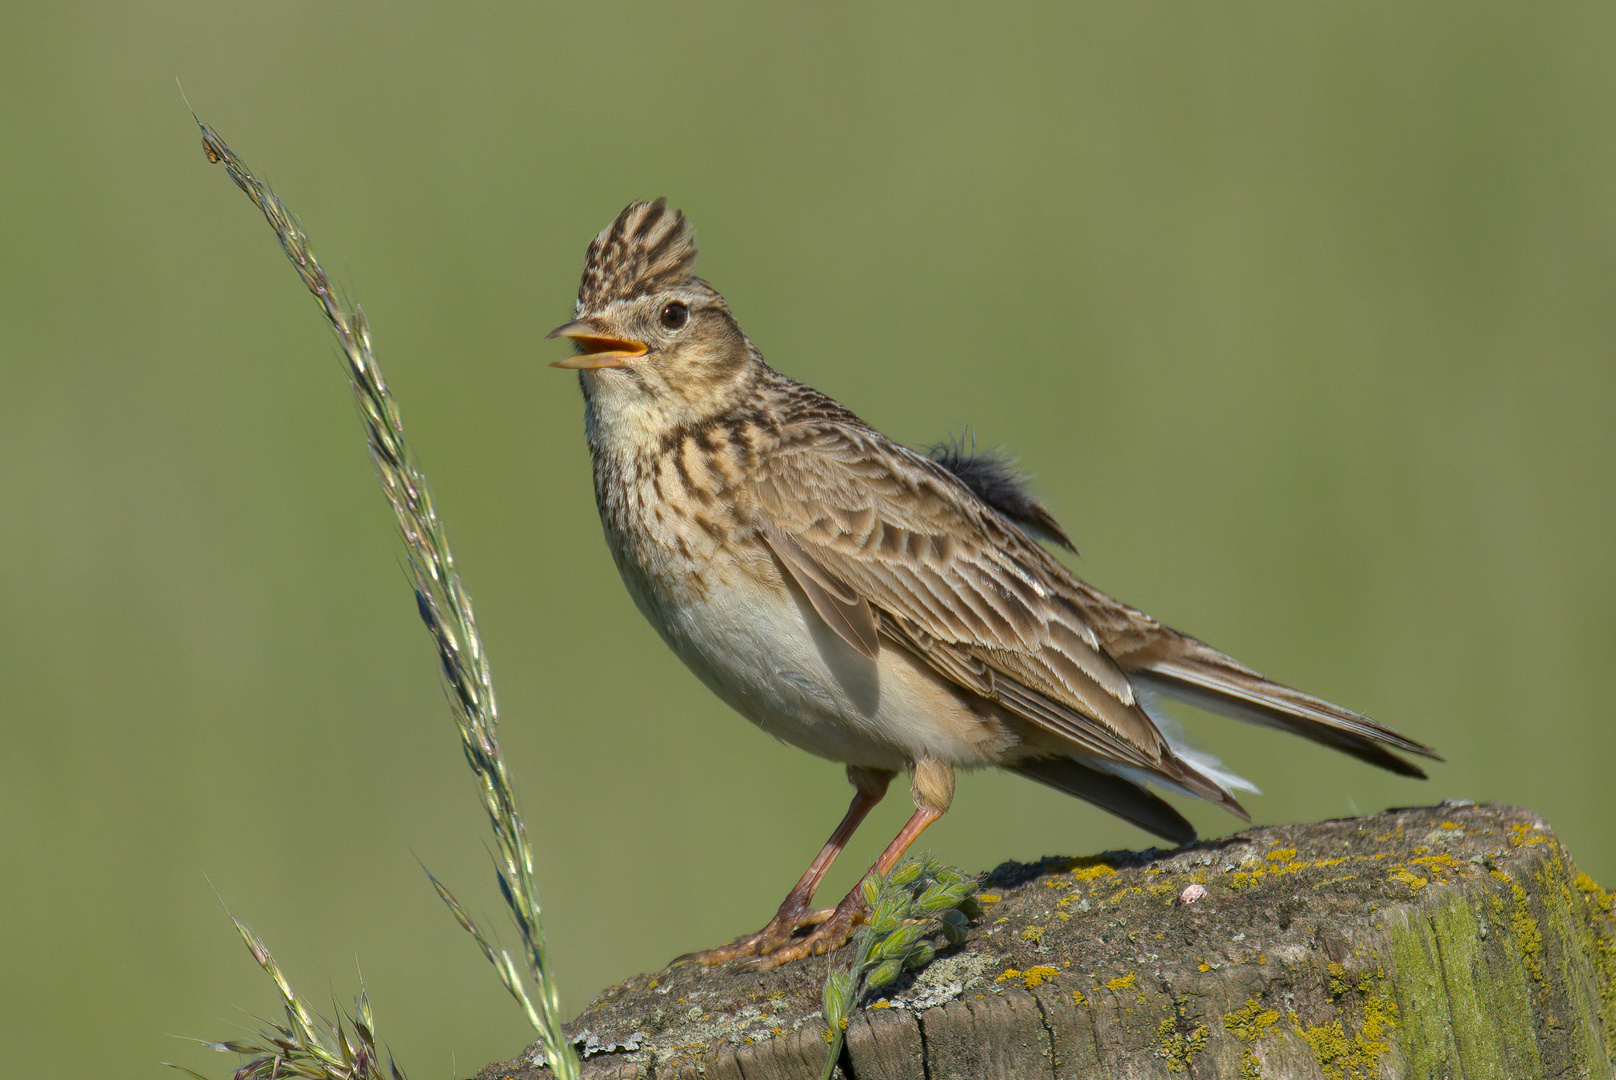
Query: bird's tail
point(1198, 674)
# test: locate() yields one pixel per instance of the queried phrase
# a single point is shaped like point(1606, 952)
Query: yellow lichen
point(1009, 975)
point(1585, 884)
point(1439, 865)
point(1038, 976)
point(1034, 934)
point(1078, 998)
point(986, 898)
point(1518, 835)
point(1242, 880)
point(1178, 1048)
point(1250, 1023)
point(1338, 979)
point(1379, 1018)
point(1122, 982)
point(1355, 1058)
point(1091, 869)
point(1282, 855)
point(1452, 825)
point(1407, 877)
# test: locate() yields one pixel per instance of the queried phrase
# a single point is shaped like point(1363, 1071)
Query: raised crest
point(647, 249)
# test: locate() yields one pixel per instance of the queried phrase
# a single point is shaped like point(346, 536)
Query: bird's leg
point(870, 786)
point(932, 787)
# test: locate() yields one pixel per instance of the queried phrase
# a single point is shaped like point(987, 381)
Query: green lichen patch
point(1528, 936)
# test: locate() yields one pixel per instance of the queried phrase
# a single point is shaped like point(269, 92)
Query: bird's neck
point(631, 417)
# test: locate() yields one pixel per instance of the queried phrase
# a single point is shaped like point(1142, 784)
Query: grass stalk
point(447, 612)
point(916, 901)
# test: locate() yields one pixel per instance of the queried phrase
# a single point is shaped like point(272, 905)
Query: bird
point(892, 610)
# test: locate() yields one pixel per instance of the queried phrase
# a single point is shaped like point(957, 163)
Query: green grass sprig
point(306, 1046)
point(918, 900)
point(447, 612)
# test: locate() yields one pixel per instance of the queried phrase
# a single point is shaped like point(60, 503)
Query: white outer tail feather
point(1199, 760)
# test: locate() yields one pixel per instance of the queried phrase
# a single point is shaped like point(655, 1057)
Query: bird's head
point(649, 334)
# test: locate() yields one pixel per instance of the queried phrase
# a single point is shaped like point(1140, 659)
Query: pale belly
point(765, 651)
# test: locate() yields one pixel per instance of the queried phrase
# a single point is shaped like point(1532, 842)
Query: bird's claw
point(778, 941)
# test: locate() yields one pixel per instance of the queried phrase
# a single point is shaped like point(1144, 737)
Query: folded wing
point(875, 533)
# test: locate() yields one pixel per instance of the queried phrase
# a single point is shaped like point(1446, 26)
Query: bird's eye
point(675, 315)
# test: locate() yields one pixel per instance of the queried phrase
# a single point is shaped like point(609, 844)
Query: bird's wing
point(878, 536)
point(1114, 794)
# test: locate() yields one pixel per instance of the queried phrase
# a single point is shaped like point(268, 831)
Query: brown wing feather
point(968, 593)
point(844, 611)
point(1121, 797)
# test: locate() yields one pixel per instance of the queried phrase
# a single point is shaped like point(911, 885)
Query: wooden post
point(1450, 941)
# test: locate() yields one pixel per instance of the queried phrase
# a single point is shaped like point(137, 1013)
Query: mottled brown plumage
point(872, 605)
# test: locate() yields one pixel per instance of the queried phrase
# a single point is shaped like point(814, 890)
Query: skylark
point(870, 604)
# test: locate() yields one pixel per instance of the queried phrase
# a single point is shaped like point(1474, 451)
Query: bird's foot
point(779, 943)
point(793, 915)
point(831, 934)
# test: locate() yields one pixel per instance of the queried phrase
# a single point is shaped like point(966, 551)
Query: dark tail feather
point(1111, 793)
point(1243, 694)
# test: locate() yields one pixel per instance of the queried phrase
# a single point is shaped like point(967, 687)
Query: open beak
point(595, 351)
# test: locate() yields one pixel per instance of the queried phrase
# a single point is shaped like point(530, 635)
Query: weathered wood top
point(1446, 941)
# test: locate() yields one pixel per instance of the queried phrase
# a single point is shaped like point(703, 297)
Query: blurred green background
point(1300, 313)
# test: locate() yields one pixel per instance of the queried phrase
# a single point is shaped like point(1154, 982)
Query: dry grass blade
point(444, 607)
